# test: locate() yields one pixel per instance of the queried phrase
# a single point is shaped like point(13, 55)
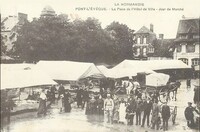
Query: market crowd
point(131, 108)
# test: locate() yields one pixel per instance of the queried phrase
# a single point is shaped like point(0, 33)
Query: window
point(138, 51)
point(138, 40)
point(195, 61)
point(178, 48)
point(184, 60)
point(144, 52)
point(190, 48)
point(145, 40)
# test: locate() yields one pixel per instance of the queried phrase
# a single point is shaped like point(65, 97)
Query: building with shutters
point(187, 41)
point(144, 38)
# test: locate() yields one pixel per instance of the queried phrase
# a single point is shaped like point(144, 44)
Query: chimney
point(22, 18)
point(151, 27)
point(161, 36)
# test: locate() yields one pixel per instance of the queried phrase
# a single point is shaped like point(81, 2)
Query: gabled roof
point(188, 26)
point(144, 30)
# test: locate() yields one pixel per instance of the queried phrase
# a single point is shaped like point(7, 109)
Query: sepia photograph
point(100, 66)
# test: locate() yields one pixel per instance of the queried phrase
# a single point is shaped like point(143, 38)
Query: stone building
point(187, 42)
point(144, 38)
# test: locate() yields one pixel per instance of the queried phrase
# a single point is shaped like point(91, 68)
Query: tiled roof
point(144, 30)
point(188, 26)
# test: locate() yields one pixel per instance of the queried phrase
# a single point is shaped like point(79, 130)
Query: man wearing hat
point(165, 115)
point(108, 107)
point(189, 115)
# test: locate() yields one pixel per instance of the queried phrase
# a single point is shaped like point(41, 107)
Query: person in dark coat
point(147, 106)
point(91, 106)
point(165, 116)
point(85, 97)
point(79, 97)
point(52, 94)
point(189, 115)
point(67, 103)
point(129, 114)
point(155, 118)
point(61, 90)
point(138, 111)
point(196, 98)
point(99, 104)
point(188, 82)
point(133, 106)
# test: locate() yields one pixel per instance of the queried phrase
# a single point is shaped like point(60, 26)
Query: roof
point(69, 70)
point(153, 64)
point(144, 30)
point(188, 26)
point(10, 22)
point(11, 78)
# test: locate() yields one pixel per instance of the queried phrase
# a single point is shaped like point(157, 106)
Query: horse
point(173, 87)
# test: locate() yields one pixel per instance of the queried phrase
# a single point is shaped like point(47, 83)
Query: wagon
point(157, 86)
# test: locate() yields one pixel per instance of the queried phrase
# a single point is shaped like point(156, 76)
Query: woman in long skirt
point(67, 103)
point(122, 111)
point(99, 103)
point(42, 103)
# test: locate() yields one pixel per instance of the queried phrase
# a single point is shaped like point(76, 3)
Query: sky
point(165, 22)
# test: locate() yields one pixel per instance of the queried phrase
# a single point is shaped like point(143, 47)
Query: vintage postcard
point(100, 65)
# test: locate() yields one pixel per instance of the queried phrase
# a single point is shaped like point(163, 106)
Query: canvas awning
point(24, 78)
point(125, 72)
point(153, 64)
point(20, 66)
point(69, 70)
point(157, 79)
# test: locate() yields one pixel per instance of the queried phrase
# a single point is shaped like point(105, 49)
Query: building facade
point(144, 38)
point(187, 42)
point(10, 26)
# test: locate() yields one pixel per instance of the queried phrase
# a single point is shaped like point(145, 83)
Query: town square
point(70, 66)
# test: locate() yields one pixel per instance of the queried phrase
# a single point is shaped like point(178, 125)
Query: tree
point(45, 38)
point(55, 38)
point(123, 39)
point(92, 43)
